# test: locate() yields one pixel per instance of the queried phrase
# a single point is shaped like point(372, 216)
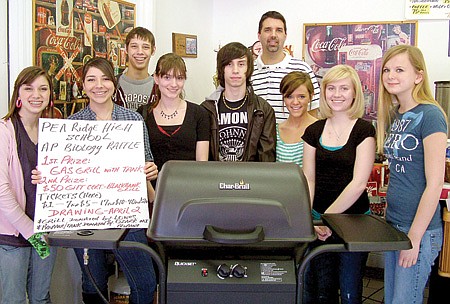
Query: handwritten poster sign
point(431, 9)
point(92, 175)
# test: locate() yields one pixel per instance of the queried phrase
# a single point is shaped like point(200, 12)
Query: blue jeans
point(135, 264)
point(329, 273)
point(23, 272)
point(406, 285)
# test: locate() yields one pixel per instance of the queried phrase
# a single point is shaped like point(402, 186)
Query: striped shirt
point(289, 153)
point(266, 81)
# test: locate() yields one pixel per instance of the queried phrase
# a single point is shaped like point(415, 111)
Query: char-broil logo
point(236, 186)
point(189, 264)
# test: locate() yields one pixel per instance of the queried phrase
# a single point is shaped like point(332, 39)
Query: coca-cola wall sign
point(67, 33)
point(360, 45)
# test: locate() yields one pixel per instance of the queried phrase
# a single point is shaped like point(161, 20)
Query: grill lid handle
point(225, 236)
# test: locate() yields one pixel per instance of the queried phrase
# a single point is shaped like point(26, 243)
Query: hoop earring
point(18, 103)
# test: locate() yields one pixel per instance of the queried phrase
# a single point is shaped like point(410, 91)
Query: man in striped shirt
point(273, 64)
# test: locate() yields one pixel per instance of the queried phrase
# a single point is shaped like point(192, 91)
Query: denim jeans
point(23, 272)
point(406, 285)
point(329, 273)
point(135, 264)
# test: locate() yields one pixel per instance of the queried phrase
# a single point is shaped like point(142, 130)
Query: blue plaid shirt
point(118, 113)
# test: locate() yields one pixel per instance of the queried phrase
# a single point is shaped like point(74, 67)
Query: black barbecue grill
point(231, 232)
point(238, 233)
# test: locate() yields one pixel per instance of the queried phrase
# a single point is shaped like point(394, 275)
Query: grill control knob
point(238, 271)
point(223, 271)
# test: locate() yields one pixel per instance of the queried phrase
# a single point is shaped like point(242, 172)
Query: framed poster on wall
point(67, 33)
point(360, 45)
point(184, 45)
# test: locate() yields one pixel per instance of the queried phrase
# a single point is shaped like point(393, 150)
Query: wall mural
point(67, 33)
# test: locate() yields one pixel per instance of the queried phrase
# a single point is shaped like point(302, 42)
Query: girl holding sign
point(23, 270)
point(100, 84)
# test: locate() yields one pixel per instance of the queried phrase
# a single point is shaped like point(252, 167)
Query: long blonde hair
point(421, 93)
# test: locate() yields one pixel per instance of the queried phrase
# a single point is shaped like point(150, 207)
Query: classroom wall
point(242, 24)
point(217, 22)
point(188, 17)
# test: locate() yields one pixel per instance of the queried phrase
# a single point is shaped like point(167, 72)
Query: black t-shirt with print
point(233, 125)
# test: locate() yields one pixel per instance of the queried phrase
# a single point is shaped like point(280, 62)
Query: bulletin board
point(361, 45)
point(67, 33)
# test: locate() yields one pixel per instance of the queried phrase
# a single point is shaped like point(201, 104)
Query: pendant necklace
point(338, 136)
point(231, 108)
point(170, 116)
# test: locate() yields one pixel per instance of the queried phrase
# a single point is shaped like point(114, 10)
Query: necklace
point(231, 108)
point(170, 116)
point(338, 136)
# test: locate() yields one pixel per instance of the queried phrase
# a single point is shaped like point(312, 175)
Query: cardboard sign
point(92, 175)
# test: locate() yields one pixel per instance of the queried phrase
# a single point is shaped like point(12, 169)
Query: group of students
point(245, 119)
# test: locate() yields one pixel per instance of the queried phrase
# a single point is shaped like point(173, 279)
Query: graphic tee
point(233, 125)
point(136, 92)
point(404, 150)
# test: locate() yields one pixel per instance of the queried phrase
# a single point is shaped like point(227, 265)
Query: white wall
point(188, 17)
point(20, 37)
point(3, 59)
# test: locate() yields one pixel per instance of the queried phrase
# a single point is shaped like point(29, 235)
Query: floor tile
point(373, 287)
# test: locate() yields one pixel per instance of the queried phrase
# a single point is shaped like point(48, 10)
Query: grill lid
point(231, 203)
